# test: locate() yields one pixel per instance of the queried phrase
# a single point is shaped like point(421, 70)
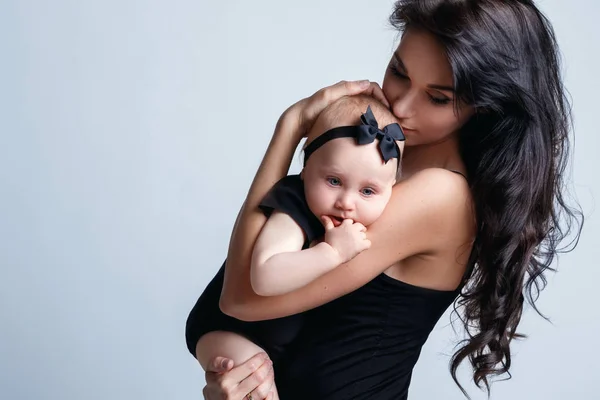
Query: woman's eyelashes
point(433, 99)
point(395, 71)
point(439, 100)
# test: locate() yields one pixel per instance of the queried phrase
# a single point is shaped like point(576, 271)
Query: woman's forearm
point(250, 221)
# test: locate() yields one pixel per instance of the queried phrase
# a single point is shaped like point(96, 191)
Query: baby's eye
point(333, 181)
point(368, 192)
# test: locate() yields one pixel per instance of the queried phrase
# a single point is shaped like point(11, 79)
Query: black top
point(287, 196)
point(363, 345)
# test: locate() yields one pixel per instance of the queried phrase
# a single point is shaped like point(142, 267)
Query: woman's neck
point(444, 154)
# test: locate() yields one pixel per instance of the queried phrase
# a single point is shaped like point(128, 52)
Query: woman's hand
point(301, 116)
point(254, 377)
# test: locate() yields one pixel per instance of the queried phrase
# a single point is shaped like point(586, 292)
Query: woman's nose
point(403, 106)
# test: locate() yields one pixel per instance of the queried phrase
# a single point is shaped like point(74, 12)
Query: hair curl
point(505, 63)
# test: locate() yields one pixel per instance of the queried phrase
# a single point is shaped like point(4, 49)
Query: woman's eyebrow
point(436, 86)
point(399, 62)
point(442, 87)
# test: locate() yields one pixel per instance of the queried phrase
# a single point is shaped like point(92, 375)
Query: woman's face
point(418, 83)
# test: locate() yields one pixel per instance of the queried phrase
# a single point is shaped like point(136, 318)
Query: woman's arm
point(250, 221)
point(291, 127)
point(420, 217)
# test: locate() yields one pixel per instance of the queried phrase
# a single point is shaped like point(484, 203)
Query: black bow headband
point(365, 133)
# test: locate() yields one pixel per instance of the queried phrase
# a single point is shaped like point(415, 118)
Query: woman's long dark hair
point(505, 63)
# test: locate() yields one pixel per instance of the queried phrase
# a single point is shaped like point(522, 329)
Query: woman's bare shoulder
point(438, 200)
point(437, 187)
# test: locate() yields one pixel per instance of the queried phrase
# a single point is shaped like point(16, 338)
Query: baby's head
point(344, 179)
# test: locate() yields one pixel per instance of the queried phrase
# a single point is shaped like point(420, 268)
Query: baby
point(344, 186)
point(317, 221)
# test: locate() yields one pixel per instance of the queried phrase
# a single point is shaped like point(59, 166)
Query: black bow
point(369, 131)
point(363, 134)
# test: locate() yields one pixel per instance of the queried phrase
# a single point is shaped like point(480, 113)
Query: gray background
point(129, 134)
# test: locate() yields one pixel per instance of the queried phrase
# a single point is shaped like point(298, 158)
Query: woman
point(476, 85)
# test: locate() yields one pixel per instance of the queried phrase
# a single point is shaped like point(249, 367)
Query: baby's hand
point(348, 239)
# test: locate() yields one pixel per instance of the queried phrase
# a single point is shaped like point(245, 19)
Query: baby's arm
point(279, 265)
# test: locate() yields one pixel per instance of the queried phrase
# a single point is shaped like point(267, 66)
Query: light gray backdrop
point(129, 134)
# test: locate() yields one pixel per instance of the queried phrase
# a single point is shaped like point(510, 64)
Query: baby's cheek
point(374, 212)
point(384, 202)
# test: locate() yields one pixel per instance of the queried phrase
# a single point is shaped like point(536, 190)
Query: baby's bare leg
point(230, 345)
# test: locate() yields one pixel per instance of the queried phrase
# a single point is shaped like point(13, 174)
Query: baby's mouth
point(337, 221)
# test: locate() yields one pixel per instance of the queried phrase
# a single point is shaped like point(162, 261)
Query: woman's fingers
point(254, 381)
point(349, 88)
point(324, 97)
point(328, 95)
point(301, 116)
point(263, 390)
point(375, 91)
point(247, 369)
point(236, 382)
point(331, 93)
point(230, 378)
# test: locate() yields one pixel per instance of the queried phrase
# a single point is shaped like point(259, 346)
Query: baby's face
point(344, 180)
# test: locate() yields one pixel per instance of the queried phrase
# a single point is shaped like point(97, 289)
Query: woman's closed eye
point(396, 72)
point(439, 100)
point(435, 100)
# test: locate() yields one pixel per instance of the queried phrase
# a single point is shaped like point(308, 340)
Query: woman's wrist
point(289, 125)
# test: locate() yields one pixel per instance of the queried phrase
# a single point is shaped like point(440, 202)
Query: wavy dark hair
point(505, 63)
